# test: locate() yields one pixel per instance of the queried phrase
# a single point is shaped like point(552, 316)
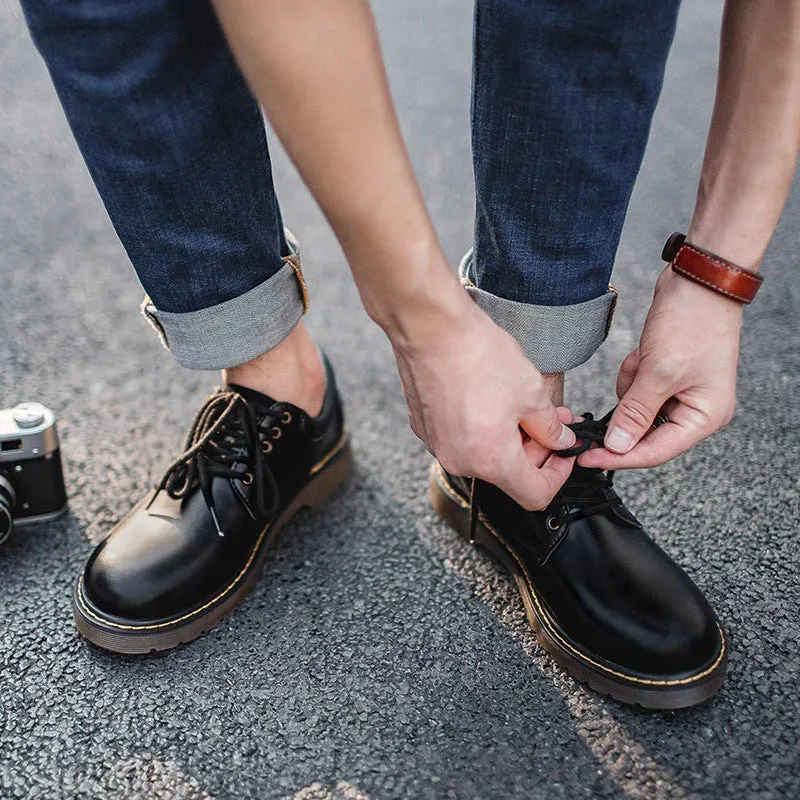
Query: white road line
point(623, 759)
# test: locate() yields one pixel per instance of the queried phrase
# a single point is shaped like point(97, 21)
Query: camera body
point(31, 478)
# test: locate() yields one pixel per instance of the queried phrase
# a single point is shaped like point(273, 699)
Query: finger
point(627, 372)
point(537, 454)
point(684, 429)
point(662, 445)
point(531, 486)
point(634, 415)
point(535, 450)
point(565, 415)
point(546, 427)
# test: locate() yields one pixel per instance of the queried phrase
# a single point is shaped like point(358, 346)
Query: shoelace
point(589, 431)
point(224, 435)
point(592, 495)
point(595, 493)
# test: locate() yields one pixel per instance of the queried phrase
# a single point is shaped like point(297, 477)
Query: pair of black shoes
point(609, 605)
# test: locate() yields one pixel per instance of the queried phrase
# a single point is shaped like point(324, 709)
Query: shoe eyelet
point(276, 432)
point(247, 478)
point(553, 523)
point(267, 448)
point(286, 417)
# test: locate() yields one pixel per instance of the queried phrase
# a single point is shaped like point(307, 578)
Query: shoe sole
point(147, 638)
point(645, 691)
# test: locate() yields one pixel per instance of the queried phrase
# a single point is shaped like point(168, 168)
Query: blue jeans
point(563, 95)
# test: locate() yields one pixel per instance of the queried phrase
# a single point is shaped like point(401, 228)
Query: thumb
point(544, 426)
point(634, 415)
point(627, 372)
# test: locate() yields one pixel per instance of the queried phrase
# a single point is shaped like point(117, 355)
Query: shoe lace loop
point(582, 498)
point(595, 493)
point(588, 431)
point(223, 436)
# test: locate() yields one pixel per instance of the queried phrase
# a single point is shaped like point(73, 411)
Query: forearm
point(317, 70)
point(754, 137)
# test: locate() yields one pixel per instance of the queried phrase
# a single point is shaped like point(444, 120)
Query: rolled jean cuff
point(240, 329)
point(555, 338)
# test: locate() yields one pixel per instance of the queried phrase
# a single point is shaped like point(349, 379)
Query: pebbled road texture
point(379, 657)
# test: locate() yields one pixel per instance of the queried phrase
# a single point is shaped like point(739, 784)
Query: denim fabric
point(173, 139)
point(563, 96)
point(555, 338)
point(239, 329)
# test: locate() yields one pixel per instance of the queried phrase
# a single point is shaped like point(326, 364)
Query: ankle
point(292, 372)
point(554, 384)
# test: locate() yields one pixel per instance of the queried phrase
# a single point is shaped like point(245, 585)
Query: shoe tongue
point(585, 475)
point(256, 398)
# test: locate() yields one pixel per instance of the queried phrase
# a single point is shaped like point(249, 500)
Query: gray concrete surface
point(379, 657)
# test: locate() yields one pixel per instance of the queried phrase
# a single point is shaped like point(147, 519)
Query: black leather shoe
point(607, 603)
point(186, 555)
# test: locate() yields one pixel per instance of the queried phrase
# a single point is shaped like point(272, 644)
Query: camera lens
point(8, 498)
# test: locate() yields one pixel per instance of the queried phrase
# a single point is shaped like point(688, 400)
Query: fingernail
point(567, 438)
point(618, 440)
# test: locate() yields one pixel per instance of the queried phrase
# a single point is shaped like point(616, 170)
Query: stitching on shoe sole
point(319, 465)
point(548, 622)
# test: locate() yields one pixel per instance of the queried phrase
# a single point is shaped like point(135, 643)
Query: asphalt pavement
point(379, 657)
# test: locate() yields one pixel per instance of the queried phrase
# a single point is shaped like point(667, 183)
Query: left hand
point(684, 367)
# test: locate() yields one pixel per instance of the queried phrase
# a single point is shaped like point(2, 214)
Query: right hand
point(470, 389)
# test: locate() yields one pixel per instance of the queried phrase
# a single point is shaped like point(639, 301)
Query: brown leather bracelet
point(710, 270)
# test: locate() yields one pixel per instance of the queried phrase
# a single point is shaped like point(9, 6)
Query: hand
point(469, 389)
point(684, 367)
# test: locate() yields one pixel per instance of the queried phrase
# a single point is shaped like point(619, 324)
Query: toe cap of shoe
point(146, 570)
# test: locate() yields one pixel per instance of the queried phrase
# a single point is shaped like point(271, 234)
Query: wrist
point(710, 269)
point(695, 298)
point(736, 244)
point(438, 310)
point(426, 297)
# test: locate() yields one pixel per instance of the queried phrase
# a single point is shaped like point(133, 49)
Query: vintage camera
point(31, 478)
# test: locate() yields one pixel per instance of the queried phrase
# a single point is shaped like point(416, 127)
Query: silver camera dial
point(29, 415)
